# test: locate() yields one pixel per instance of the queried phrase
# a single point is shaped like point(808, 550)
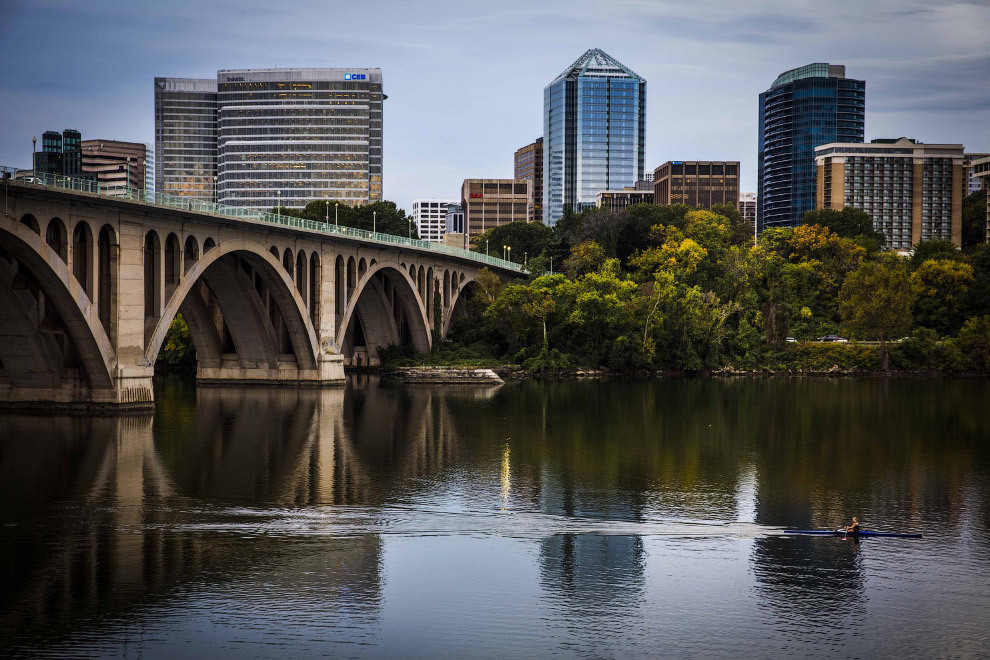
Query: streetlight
point(374, 222)
point(503, 253)
point(486, 247)
point(34, 156)
point(510, 253)
point(278, 202)
point(410, 227)
point(525, 257)
point(328, 212)
point(335, 215)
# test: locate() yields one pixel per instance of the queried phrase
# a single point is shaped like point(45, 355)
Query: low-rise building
point(454, 234)
point(697, 183)
point(529, 166)
point(912, 191)
point(430, 216)
point(489, 203)
point(116, 165)
point(618, 200)
point(973, 182)
point(747, 206)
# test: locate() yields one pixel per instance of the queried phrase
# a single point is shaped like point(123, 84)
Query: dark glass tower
point(594, 133)
point(803, 109)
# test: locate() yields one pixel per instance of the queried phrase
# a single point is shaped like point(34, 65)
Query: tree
point(527, 239)
point(942, 286)
point(936, 249)
point(875, 301)
point(850, 222)
point(974, 219)
point(974, 341)
point(585, 258)
point(384, 216)
point(741, 231)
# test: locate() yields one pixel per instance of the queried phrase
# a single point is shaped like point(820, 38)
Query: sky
point(465, 79)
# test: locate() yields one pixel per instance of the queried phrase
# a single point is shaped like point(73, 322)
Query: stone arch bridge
point(89, 285)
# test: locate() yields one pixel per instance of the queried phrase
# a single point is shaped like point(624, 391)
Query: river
point(533, 519)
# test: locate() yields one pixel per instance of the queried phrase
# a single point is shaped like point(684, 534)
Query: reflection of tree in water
point(814, 587)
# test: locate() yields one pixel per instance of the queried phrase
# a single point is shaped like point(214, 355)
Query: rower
point(854, 527)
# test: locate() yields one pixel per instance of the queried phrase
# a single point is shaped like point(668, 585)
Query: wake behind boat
point(860, 533)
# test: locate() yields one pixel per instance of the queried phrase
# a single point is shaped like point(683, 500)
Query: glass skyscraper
point(186, 137)
point(803, 109)
point(594, 133)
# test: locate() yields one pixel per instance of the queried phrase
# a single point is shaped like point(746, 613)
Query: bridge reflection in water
point(298, 502)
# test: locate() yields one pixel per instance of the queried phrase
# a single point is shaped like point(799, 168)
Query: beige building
point(529, 166)
point(116, 165)
point(913, 191)
point(489, 203)
point(973, 181)
point(697, 183)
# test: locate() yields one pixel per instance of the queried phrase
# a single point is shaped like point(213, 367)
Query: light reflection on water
point(577, 519)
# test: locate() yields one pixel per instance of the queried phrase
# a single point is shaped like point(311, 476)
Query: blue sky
point(465, 79)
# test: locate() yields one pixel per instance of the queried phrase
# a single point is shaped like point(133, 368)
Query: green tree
point(850, 222)
point(384, 217)
point(942, 286)
point(875, 302)
point(177, 352)
point(585, 257)
point(741, 231)
point(974, 342)
point(974, 219)
point(936, 249)
point(527, 239)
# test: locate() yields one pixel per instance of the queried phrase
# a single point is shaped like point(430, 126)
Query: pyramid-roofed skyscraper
point(594, 132)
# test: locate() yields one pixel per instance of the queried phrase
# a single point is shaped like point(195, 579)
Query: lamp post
point(486, 248)
point(216, 189)
point(409, 219)
point(503, 253)
point(525, 257)
point(34, 156)
point(374, 222)
point(509, 248)
point(335, 224)
point(328, 212)
point(278, 202)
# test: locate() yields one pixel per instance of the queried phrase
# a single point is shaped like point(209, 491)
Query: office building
point(697, 183)
point(619, 200)
point(981, 169)
point(803, 109)
point(529, 166)
point(747, 207)
point(912, 191)
point(60, 153)
point(116, 165)
point(489, 203)
point(594, 133)
point(186, 137)
point(430, 216)
point(973, 182)
point(260, 138)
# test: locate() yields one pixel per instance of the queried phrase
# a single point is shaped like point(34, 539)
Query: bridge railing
point(236, 212)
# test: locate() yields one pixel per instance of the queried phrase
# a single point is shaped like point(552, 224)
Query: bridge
point(90, 283)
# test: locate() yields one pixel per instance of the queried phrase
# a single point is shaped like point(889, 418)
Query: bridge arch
point(250, 330)
point(30, 221)
point(82, 256)
point(57, 240)
point(190, 254)
point(459, 301)
point(47, 322)
point(383, 310)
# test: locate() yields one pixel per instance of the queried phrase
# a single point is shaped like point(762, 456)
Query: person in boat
point(853, 528)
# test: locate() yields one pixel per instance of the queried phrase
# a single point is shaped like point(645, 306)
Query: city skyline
point(925, 71)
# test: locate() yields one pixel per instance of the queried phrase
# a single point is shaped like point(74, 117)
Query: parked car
point(833, 338)
point(790, 340)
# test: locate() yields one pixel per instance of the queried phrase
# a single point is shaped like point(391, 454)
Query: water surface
point(572, 519)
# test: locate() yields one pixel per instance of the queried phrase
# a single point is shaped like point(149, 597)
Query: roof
point(816, 70)
point(596, 62)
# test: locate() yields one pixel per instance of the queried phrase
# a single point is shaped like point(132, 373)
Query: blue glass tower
point(594, 133)
point(803, 109)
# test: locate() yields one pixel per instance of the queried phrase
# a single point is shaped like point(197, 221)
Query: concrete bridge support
point(90, 285)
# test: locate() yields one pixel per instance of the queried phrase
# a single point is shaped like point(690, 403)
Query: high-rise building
point(489, 203)
point(71, 153)
point(619, 200)
point(697, 183)
point(803, 109)
point(594, 133)
point(260, 138)
point(290, 136)
point(912, 191)
point(529, 166)
point(60, 153)
point(116, 165)
point(973, 182)
point(186, 137)
point(747, 207)
point(430, 216)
